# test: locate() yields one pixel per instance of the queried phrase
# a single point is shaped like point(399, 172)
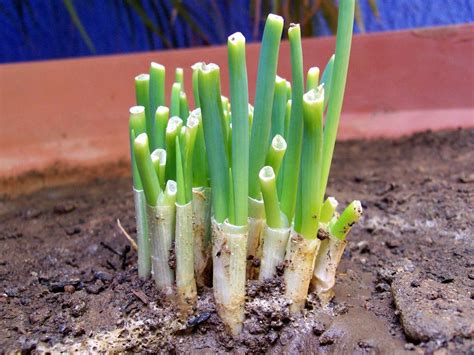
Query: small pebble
point(382, 287)
point(318, 329)
point(415, 283)
point(69, 289)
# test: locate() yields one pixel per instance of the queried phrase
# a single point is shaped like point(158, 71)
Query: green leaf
point(77, 22)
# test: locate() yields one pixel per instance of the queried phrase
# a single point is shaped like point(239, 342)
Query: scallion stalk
point(175, 100)
point(158, 158)
point(195, 79)
point(211, 109)
point(157, 97)
point(146, 169)
point(200, 166)
point(240, 126)
point(338, 85)
point(328, 209)
point(151, 188)
point(279, 108)
point(142, 95)
point(172, 130)
point(202, 234)
point(265, 86)
point(309, 202)
point(184, 247)
point(228, 255)
point(183, 107)
point(291, 162)
point(331, 251)
point(287, 118)
point(162, 114)
point(179, 76)
point(348, 218)
point(276, 231)
point(137, 126)
point(163, 236)
point(303, 243)
point(276, 153)
point(270, 197)
point(327, 79)
point(312, 78)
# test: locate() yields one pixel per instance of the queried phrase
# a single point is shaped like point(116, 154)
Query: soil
point(68, 276)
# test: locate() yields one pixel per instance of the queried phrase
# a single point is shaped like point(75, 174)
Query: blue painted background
point(45, 30)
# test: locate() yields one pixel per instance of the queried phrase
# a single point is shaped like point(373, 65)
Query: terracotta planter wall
point(74, 113)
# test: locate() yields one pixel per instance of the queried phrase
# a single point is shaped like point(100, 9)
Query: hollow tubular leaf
point(309, 201)
point(142, 95)
point(240, 126)
point(181, 194)
point(148, 176)
point(158, 158)
point(291, 162)
point(279, 108)
point(162, 114)
point(267, 66)
point(327, 79)
point(275, 153)
point(175, 99)
point(172, 130)
point(157, 96)
point(200, 165)
point(328, 209)
point(195, 77)
point(188, 154)
point(312, 78)
point(183, 107)
point(211, 109)
point(179, 76)
point(270, 197)
point(348, 218)
point(137, 125)
point(338, 85)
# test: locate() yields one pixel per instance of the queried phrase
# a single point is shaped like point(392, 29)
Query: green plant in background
point(258, 196)
point(158, 17)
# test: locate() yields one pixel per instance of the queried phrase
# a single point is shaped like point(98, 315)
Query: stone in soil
point(432, 310)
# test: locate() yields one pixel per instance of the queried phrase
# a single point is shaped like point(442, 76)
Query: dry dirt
point(68, 277)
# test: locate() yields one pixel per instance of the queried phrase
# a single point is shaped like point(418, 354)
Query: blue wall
point(42, 29)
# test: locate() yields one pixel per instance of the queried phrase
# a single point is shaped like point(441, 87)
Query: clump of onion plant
point(237, 186)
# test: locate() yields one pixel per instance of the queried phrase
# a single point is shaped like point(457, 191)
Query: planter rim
point(67, 115)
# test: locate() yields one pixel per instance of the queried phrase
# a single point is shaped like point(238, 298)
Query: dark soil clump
point(68, 277)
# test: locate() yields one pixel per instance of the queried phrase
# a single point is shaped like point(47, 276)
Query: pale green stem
point(172, 130)
point(328, 209)
point(279, 108)
point(338, 85)
point(265, 86)
point(211, 108)
point(142, 94)
point(291, 162)
point(175, 99)
point(348, 218)
point(157, 96)
point(240, 126)
point(270, 197)
point(276, 153)
point(308, 206)
point(148, 176)
point(161, 121)
point(312, 78)
point(327, 79)
point(183, 107)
